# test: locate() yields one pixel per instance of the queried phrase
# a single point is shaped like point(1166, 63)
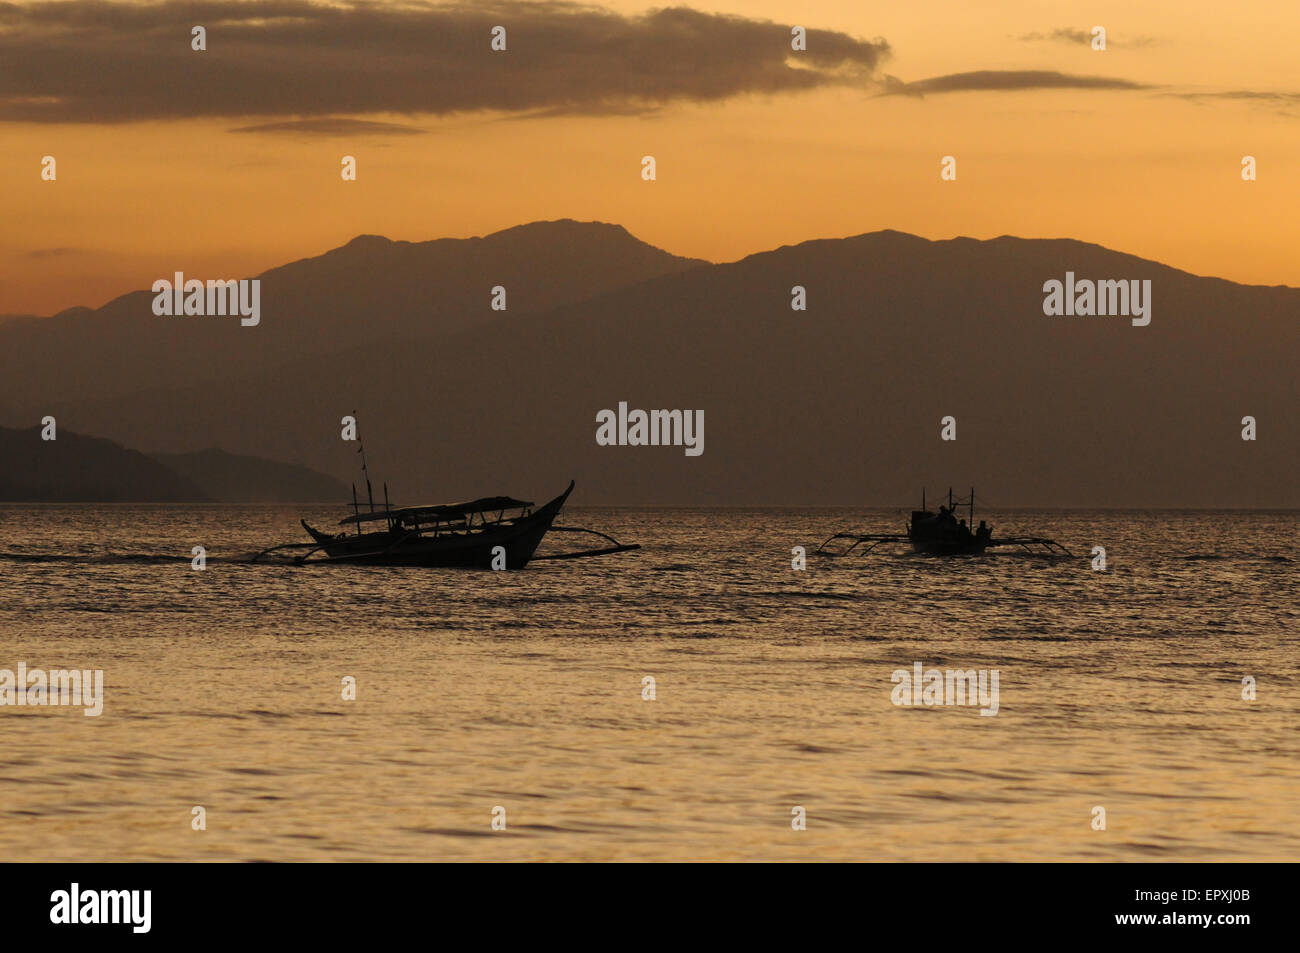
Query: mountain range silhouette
point(838, 404)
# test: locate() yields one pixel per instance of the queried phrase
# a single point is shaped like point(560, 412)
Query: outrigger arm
point(616, 546)
point(1050, 546)
point(314, 547)
point(875, 539)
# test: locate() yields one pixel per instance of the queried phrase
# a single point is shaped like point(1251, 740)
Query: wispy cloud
point(55, 252)
point(330, 126)
point(1067, 34)
point(1003, 81)
point(1282, 103)
point(1265, 97)
point(1061, 34)
point(107, 61)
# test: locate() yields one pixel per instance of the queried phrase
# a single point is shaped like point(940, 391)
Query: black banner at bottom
point(140, 903)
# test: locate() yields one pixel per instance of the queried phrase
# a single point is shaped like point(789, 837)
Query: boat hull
point(971, 547)
point(943, 536)
point(476, 549)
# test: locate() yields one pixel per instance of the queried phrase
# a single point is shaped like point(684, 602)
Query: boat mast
point(356, 510)
point(972, 506)
point(361, 449)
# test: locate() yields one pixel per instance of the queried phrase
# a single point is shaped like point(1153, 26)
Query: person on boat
point(983, 532)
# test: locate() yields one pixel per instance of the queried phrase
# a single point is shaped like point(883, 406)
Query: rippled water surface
point(1120, 689)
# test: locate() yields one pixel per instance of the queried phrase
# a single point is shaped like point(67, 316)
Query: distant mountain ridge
point(837, 404)
point(235, 478)
point(78, 469)
point(75, 468)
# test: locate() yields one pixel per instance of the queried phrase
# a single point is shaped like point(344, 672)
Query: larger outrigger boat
point(942, 534)
point(494, 532)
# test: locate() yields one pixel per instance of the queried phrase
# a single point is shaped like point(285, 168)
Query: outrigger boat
point(942, 534)
point(494, 532)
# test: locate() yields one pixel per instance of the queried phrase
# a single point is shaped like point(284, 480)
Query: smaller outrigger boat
point(494, 532)
point(942, 534)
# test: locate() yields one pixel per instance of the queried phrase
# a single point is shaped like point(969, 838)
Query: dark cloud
point(333, 126)
point(1003, 81)
point(96, 61)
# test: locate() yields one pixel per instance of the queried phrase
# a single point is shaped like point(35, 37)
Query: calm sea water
point(1120, 689)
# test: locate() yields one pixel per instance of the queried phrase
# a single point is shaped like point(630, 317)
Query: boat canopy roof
point(440, 513)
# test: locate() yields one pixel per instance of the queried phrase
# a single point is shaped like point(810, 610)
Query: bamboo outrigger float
point(494, 532)
point(942, 534)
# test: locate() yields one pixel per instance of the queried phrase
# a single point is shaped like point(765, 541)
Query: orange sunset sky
point(226, 162)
